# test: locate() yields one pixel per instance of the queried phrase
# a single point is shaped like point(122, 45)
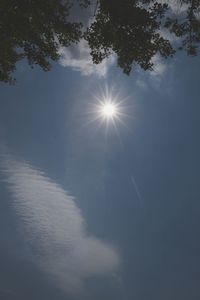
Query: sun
point(108, 110)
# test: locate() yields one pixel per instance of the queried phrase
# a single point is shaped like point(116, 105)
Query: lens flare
point(109, 110)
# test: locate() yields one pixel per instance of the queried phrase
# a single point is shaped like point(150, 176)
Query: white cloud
point(79, 59)
point(157, 77)
point(56, 227)
point(170, 36)
point(177, 7)
point(159, 66)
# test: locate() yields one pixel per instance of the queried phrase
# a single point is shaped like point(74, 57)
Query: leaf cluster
point(34, 29)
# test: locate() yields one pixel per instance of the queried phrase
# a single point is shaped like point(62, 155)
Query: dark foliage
point(131, 29)
point(33, 29)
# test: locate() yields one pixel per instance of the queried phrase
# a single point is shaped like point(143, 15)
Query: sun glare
point(109, 110)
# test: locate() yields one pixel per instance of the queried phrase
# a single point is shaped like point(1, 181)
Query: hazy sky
point(90, 211)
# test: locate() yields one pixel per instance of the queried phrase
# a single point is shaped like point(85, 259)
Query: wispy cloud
point(159, 66)
point(178, 7)
point(56, 228)
point(154, 78)
point(79, 59)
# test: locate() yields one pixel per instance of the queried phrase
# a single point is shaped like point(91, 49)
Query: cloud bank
point(79, 59)
point(56, 227)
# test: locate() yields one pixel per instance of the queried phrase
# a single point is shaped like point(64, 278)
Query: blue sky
point(86, 214)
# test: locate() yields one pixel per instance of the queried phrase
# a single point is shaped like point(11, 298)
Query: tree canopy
point(34, 29)
point(134, 30)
